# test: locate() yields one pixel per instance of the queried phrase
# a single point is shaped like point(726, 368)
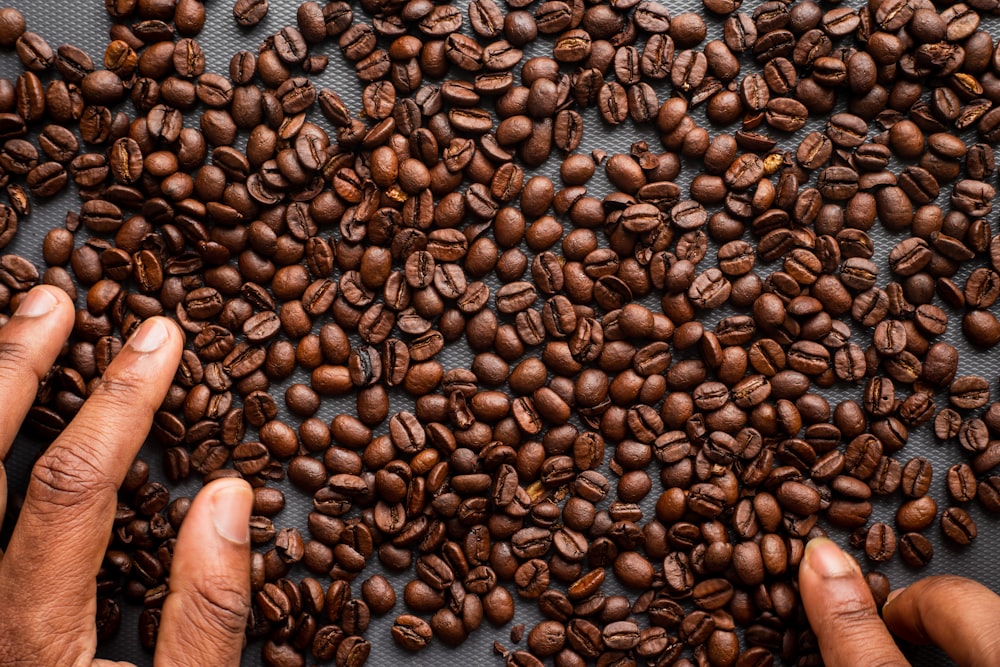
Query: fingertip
point(893, 594)
point(903, 618)
point(176, 332)
point(43, 308)
point(828, 560)
point(43, 300)
point(232, 502)
point(30, 342)
point(154, 334)
point(226, 485)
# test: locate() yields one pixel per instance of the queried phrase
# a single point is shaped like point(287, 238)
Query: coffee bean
point(34, 52)
point(916, 477)
point(915, 515)
point(915, 549)
point(958, 526)
point(12, 26)
point(411, 632)
point(880, 543)
point(249, 13)
point(968, 392)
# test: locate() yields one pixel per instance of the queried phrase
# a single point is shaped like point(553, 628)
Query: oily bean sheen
point(509, 360)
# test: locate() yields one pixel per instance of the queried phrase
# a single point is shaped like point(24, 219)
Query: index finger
point(70, 501)
point(959, 615)
point(841, 610)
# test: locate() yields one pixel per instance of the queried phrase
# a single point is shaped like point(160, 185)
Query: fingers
point(205, 615)
point(959, 615)
point(841, 610)
point(3, 498)
point(29, 344)
point(71, 496)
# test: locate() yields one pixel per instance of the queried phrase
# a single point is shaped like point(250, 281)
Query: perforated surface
point(85, 24)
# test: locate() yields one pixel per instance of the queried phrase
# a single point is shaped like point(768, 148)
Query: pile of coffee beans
point(653, 334)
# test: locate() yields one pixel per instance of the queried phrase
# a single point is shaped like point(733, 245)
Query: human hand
point(48, 591)
point(957, 614)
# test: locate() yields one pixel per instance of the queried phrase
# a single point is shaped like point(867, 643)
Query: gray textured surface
point(84, 23)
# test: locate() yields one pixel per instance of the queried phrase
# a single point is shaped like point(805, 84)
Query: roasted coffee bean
point(915, 549)
point(249, 13)
point(12, 26)
point(411, 632)
point(958, 526)
point(969, 392)
point(915, 515)
point(880, 543)
point(916, 477)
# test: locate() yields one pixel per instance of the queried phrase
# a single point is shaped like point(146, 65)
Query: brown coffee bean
point(962, 485)
point(249, 13)
point(915, 549)
point(12, 26)
point(915, 515)
point(958, 526)
point(880, 543)
point(916, 477)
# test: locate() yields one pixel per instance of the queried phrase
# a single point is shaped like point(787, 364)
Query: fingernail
point(38, 302)
point(231, 512)
point(152, 334)
point(893, 595)
point(827, 560)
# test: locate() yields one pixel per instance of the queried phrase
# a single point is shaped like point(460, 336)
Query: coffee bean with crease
point(249, 13)
point(958, 526)
point(916, 477)
point(880, 543)
point(962, 484)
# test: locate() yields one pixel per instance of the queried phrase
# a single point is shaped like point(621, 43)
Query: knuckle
point(950, 586)
point(987, 642)
point(16, 360)
point(120, 392)
point(876, 657)
point(65, 476)
point(853, 612)
point(24, 649)
point(221, 606)
point(853, 622)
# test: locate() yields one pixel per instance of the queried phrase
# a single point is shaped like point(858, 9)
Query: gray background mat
point(85, 24)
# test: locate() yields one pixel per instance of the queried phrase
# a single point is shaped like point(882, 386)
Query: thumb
point(841, 610)
point(3, 498)
point(205, 615)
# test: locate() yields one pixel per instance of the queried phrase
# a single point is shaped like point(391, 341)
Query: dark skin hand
point(960, 616)
point(60, 538)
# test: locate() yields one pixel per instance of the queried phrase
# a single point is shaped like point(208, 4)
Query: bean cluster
point(605, 428)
